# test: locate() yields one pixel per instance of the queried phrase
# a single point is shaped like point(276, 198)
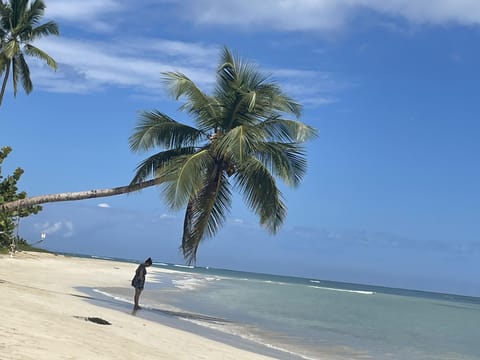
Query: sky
point(391, 193)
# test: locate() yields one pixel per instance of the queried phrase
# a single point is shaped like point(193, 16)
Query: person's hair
point(148, 261)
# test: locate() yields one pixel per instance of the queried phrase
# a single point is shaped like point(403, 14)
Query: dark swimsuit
point(138, 281)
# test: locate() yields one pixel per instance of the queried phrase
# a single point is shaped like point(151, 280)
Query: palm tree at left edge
point(19, 27)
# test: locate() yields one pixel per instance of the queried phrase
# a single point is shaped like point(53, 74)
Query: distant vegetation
point(9, 192)
point(22, 246)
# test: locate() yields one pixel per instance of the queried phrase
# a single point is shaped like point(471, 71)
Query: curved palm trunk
point(4, 85)
point(80, 195)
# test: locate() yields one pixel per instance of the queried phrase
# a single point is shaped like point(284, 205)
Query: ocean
point(298, 318)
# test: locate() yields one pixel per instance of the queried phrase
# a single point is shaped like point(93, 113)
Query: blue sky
point(391, 194)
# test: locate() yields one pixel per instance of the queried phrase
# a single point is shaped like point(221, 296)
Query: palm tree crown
point(19, 27)
point(242, 141)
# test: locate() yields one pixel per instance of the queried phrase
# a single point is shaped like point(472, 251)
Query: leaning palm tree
point(19, 27)
point(242, 141)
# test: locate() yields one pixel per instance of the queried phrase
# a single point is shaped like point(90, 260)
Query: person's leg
point(137, 298)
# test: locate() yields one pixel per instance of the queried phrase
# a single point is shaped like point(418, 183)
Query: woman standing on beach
point(138, 281)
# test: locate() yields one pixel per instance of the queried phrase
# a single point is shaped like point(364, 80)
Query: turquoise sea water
point(311, 318)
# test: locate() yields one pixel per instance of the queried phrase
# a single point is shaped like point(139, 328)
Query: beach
point(80, 307)
point(45, 316)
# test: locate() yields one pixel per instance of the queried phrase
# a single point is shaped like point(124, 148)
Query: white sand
point(39, 316)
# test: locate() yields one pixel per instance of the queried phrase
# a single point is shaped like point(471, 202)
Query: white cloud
point(68, 229)
point(280, 15)
point(84, 12)
point(168, 216)
point(324, 15)
point(92, 65)
point(111, 59)
point(311, 88)
point(86, 9)
point(466, 12)
point(284, 15)
point(62, 228)
point(104, 205)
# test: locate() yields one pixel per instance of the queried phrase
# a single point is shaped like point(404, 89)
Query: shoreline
point(45, 311)
point(178, 319)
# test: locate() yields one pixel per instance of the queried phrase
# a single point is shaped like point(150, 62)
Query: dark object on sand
point(95, 320)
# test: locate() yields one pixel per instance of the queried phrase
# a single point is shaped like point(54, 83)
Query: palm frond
point(239, 143)
point(3, 9)
point(46, 29)
point(180, 85)
point(206, 212)
point(36, 11)
point(23, 73)
point(261, 193)
point(10, 49)
point(287, 130)
point(227, 68)
point(237, 83)
point(276, 100)
point(156, 129)
point(3, 63)
point(202, 106)
point(40, 54)
point(233, 71)
point(248, 95)
point(15, 76)
point(150, 167)
point(271, 101)
point(5, 15)
point(18, 9)
point(184, 177)
point(285, 160)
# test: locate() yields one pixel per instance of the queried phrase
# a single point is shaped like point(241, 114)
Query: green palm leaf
point(23, 73)
point(34, 14)
point(15, 75)
point(151, 166)
point(156, 129)
point(206, 212)
point(184, 177)
point(239, 143)
point(287, 130)
point(3, 63)
point(10, 49)
point(49, 28)
point(36, 52)
point(236, 77)
point(5, 16)
point(261, 194)
point(286, 161)
point(18, 8)
point(199, 104)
